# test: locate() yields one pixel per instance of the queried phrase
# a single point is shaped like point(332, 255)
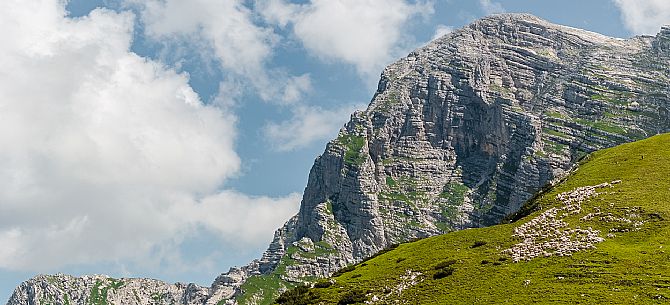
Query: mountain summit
point(459, 134)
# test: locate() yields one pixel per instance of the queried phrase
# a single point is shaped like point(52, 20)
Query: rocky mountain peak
point(662, 40)
point(460, 133)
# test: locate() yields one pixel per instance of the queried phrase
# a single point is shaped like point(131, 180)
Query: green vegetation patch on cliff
point(353, 145)
point(98, 294)
point(264, 289)
point(454, 193)
point(631, 265)
point(602, 125)
point(100, 290)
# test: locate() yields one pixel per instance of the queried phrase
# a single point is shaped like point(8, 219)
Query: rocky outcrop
point(100, 289)
point(459, 134)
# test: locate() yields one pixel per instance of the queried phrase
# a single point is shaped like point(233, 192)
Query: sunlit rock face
point(459, 134)
point(463, 131)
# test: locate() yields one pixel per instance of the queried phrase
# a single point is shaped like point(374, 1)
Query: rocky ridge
point(100, 289)
point(459, 134)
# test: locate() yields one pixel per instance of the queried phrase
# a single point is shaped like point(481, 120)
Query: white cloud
point(441, 30)
point(296, 87)
point(278, 12)
point(238, 44)
point(243, 47)
point(223, 31)
point(367, 34)
point(644, 16)
point(107, 155)
point(307, 125)
point(236, 215)
point(491, 7)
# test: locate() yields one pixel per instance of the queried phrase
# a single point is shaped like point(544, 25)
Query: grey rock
point(99, 289)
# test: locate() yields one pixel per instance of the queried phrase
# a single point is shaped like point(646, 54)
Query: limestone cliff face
point(459, 134)
point(463, 131)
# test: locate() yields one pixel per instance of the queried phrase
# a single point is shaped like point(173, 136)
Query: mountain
point(459, 134)
point(99, 290)
point(600, 236)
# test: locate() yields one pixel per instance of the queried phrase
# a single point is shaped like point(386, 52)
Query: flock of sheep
point(548, 234)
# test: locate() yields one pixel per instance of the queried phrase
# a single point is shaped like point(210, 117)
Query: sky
point(169, 139)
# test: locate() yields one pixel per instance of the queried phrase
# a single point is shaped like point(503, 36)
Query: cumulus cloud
point(296, 87)
point(644, 17)
point(221, 31)
point(231, 34)
point(240, 45)
point(307, 125)
point(367, 34)
point(107, 155)
point(491, 7)
point(234, 215)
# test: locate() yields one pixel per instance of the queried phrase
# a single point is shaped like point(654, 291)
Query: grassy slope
point(631, 268)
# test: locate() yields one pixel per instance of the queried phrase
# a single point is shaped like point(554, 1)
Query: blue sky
point(147, 138)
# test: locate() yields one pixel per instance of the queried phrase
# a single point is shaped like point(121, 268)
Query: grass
point(402, 189)
point(353, 145)
point(264, 289)
point(98, 294)
point(298, 295)
point(390, 182)
point(395, 159)
point(602, 125)
point(261, 288)
point(394, 98)
point(115, 284)
point(454, 193)
point(554, 133)
point(554, 147)
point(555, 114)
point(619, 99)
point(329, 207)
point(630, 268)
point(391, 100)
point(394, 196)
point(499, 89)
point(100, 290)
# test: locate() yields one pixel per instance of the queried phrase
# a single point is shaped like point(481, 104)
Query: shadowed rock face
point(459, 134)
